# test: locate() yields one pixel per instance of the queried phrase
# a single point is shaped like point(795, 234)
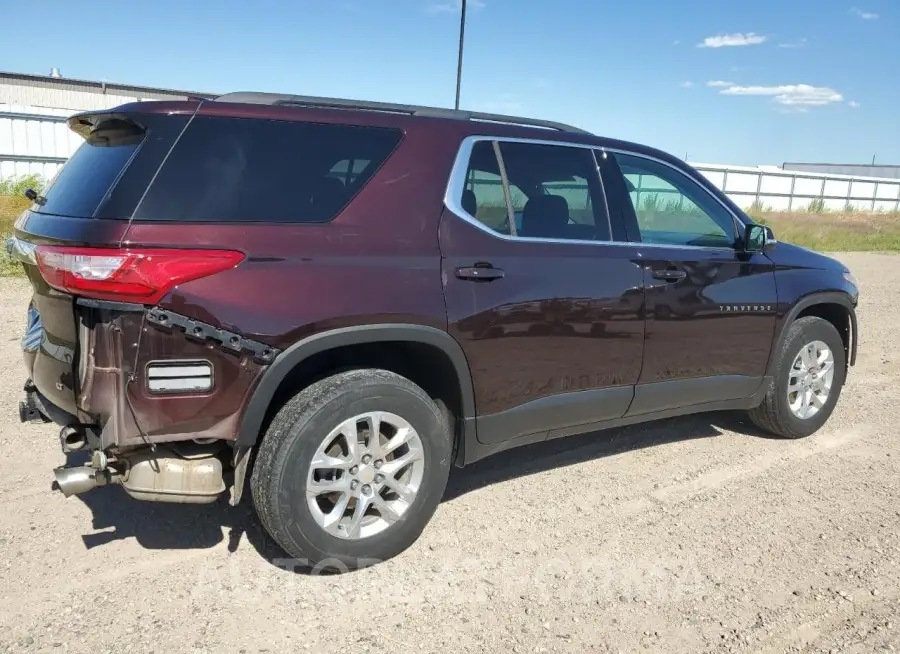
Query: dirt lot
point(695, 534)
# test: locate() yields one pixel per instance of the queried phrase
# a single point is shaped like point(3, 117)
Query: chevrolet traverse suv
point(337, 301)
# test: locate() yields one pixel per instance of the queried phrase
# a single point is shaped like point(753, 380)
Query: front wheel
point(352, 469)
point(809, 374)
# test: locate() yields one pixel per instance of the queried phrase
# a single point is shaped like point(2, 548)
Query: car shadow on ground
point(178, 526)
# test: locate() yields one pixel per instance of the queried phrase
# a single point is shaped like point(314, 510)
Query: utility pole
point(873, 159)
point(462, 35)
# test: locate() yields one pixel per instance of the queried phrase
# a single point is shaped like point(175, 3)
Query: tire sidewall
point(801, 334)
point(305, 436)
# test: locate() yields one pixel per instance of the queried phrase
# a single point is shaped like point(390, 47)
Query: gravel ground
point(695, 534)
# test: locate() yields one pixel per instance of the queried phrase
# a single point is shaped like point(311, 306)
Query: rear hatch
point(83, 212)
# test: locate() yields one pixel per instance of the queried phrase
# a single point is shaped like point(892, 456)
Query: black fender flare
point(830, 297)
point(255, 412)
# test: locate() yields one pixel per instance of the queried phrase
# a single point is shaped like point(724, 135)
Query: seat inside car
point(545, 216)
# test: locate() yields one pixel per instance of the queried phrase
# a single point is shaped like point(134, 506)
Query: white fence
point(37, 141)
point(785, 190)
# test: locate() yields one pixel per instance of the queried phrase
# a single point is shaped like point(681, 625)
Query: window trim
point(457, 182)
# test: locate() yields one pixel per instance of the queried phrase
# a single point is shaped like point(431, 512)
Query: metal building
point(853, 170)
point(34, 138)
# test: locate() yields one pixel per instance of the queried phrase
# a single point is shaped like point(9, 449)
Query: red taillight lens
point(138, 275)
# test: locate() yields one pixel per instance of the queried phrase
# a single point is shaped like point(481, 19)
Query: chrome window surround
point(457, 183)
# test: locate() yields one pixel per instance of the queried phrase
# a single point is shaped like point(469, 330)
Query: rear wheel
point(809, 375)
point(352, 469)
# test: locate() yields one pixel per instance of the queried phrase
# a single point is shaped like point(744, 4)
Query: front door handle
point(479, 273)
point(669, 275)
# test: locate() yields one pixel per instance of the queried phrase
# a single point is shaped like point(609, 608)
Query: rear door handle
point(479, 273)
point(669, 275)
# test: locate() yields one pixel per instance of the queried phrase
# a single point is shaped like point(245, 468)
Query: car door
point(548, 311)
point(710, 307)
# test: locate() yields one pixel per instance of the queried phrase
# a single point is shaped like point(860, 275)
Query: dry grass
point(836, 232)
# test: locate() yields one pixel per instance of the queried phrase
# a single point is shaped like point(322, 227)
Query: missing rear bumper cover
point(201, 331)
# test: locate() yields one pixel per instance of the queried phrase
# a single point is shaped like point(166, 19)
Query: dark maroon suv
point(343, 299)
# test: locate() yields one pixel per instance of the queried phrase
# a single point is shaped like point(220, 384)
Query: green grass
point(15, 186)
point(10, 208)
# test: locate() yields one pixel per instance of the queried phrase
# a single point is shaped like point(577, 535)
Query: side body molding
point(255, 413)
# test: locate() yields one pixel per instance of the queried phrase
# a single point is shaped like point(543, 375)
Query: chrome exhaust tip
point(72, 481)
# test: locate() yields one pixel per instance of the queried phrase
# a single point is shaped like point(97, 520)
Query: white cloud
point(676, 42)
point(865, 15)
point(854, 104)
point(687, 85)
point(453, 6)
point(732, 40)
point(791, 95)
point(717, 83)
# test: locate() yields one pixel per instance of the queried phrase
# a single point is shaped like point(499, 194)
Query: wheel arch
point(266, 393)
point(835, 307)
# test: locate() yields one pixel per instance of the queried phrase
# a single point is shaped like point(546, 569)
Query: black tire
point(774, 414)
point(278, 482)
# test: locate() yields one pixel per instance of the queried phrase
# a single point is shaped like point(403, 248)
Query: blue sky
point(799, 80)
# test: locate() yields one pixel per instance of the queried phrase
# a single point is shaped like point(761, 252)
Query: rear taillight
point(128, 275)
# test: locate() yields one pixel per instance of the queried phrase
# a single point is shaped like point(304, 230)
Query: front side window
point(553, 191)
point(672, 209)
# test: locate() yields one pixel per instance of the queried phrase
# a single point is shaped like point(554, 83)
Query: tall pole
point(462, 35)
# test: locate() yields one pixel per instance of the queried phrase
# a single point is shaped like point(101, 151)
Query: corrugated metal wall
point(34, 139)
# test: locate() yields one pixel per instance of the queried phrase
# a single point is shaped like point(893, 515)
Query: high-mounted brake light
point(128, 275)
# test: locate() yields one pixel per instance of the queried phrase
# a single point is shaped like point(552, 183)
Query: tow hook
point(31, 409)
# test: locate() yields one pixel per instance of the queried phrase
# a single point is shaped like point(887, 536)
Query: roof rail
point(243, 97)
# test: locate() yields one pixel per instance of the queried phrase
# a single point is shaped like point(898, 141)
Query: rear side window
point(90, 173)
point(251, 170)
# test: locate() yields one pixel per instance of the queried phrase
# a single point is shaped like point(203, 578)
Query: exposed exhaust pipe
point(190, 476)
point(72, 438)
point(72, 481)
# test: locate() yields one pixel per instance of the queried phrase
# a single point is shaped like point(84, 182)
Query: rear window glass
point(89, 174)
point(251, 170)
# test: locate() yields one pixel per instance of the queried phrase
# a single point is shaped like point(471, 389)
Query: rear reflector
point(128, 275)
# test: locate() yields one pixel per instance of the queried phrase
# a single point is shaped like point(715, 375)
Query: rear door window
point(252, 170)
point(81, 185)
point(554, 191)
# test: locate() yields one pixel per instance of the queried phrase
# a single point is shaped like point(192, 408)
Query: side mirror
point(758, 238)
